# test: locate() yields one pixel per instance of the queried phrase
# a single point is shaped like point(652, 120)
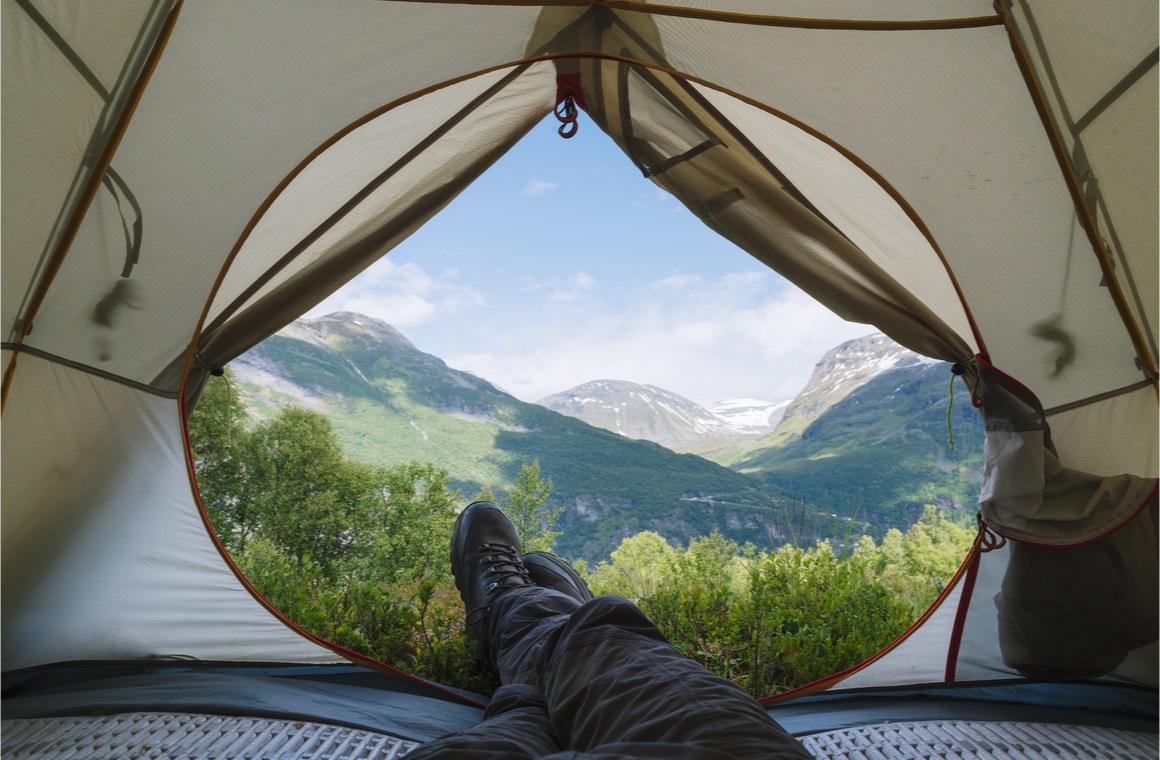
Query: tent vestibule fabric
point(182, 179)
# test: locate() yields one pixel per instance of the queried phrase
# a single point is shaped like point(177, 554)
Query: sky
point(562, 264)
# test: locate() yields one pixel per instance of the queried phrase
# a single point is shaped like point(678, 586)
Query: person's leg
point(611, 682)
point(614, 686)
point(529, 617)
point(515, 727)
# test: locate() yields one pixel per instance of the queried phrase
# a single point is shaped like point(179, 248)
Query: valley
point(860, 450)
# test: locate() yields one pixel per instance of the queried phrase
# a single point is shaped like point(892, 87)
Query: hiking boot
point(550, 571)
point(485, 560)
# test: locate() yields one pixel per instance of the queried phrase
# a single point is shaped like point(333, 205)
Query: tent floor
point(167, 735)
point(156, 709)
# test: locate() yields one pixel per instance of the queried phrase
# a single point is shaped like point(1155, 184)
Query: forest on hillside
point(359, 555)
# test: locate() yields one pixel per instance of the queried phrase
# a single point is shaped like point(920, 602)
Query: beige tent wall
point(1110, 436)
point(432, 149)
point(267, 125)
point(50, 113)
point(1097, 68)
point(105, 554)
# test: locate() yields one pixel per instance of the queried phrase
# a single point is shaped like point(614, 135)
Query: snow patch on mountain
point(750, 416)
point(650, 413)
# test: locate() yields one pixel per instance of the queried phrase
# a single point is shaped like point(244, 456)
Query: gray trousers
point(599, 681)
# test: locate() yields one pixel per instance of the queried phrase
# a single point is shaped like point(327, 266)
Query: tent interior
point(181, 180)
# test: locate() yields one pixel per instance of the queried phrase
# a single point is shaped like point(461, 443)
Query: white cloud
point(404, 295)
point(744, 335)
point(566, 289)
point(573, 287)
point(537, 187)
point(582, 280)
point(709, 340)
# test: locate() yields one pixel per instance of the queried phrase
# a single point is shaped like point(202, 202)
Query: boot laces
point(506, 566)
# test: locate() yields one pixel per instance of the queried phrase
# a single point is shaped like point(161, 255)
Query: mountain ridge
point(391, 403)
point(875, 448)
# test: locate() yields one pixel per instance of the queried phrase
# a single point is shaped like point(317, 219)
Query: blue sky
point(562, 264)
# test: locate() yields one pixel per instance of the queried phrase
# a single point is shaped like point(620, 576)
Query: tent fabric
point(183, 179)
point(320, 698)
point(1076, 612)
point(1027, 494)
point(106, 559)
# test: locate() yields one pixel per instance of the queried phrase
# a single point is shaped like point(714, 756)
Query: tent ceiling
point(938, 116)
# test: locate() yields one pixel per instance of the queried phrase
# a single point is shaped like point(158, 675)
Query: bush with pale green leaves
point(772, 621)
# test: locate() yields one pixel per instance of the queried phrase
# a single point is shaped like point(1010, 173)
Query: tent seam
point(963, 609)
point(90, 370)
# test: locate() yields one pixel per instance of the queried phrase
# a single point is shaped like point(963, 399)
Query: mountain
point(649, 413)
point(391, 403)
point(864, 445)
point(841, 371)
point(870, 435)
point(867, 436)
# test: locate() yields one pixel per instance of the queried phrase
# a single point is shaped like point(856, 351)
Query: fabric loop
point(569, 102)
point(567, 114)
point(989, 540)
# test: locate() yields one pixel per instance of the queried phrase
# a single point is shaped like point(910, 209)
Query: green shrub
point(417, 627)
point(804, 615)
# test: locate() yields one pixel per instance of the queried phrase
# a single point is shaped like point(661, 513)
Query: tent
point(182, 179)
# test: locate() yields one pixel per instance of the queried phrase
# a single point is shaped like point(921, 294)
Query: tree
point(708, 561)
point(412, 521)
point(890, 552)
point(218, 439)
point(525, 508)
point(934, 547)
point(310, 500)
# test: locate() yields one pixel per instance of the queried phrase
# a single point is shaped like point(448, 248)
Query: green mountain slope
point(882, 450)
point(392, 403)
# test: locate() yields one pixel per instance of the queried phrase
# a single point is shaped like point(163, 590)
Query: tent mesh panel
point(164, 735)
